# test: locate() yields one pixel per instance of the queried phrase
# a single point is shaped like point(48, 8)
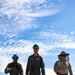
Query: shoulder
point(56, 63)
point(68, 63)
point(9, 64)
point(30, 56)
point(19, 63)
point(40, 56)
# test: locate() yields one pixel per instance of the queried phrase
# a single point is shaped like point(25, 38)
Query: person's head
point(15, 58)
point(35, 48)
point(63, 55)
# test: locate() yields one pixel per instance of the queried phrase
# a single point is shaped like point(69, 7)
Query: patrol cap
point(35, 46)
point(15, 57)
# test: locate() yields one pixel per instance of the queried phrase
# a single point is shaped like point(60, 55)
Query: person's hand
point(60, 72)
point(8, 69)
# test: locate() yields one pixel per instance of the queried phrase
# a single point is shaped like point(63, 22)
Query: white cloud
point(44, 12)
point(24, 48)
point(23, 51)
point(21, 14)
point(56, 40)
point(72, 32)
point(50, 71)
point(27, 8)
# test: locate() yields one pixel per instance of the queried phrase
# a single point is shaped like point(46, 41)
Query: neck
point(14, 61)
point(35, 54)
point(63, 60)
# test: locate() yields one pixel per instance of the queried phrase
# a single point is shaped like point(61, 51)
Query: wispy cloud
point(19, 15)
point(56, 39)
point(27, 8)
point(24, 47)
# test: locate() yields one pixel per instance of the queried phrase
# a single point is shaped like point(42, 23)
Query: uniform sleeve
point(27, 67)
point(42, 66)
point(8, 66)
point(21, 70)
point(56, 67)
point(70, 69)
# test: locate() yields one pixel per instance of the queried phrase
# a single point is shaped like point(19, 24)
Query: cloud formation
point(16, 17)
point(27, 8)
point(19, 15)
point(24, 47)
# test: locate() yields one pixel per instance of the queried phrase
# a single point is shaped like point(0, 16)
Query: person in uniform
point(35, 64)
point(14, 68)
point(62, 66)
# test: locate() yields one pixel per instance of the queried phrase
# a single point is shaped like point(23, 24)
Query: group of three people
point(36, 66)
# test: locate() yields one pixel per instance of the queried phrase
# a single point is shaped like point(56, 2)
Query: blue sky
point(49, 23)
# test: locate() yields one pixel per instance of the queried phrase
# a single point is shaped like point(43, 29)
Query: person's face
point(63, 58)
point(15, 61)
point(36, 50)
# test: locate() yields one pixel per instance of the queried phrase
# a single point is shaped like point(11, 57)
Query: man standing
point(35, 63)
point(62, 67)
point(14, 68)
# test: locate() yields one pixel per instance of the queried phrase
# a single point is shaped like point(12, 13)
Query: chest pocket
point(35, 62)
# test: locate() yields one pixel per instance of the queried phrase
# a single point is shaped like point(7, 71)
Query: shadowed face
point(36, 50)
point(63, 58)
point(15, 61)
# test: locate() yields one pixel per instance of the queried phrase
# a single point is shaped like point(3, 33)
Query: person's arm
point(70, 69)
point(21, 70)
point(27, 67)
point(56, 67)
point(7, 69)
point(42, 66)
